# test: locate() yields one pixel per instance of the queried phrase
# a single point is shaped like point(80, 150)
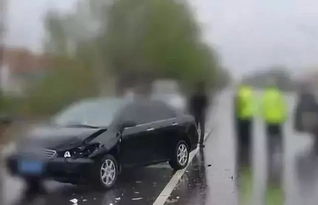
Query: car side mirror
point(127, 124)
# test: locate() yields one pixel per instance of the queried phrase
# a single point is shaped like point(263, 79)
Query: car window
point(148, 111)
point(162, 111)
point(95, 112)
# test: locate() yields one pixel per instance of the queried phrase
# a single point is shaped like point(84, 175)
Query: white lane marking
point(163, 196)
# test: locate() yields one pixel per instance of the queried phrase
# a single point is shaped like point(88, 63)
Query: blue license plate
point(30, 167)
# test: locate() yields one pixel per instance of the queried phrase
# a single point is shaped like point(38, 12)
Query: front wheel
point(180, 156)
point(106, 172)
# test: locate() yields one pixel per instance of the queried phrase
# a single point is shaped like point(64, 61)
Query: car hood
point(59, 138)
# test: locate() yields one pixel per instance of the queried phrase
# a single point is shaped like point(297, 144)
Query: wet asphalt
point(135, 186)
point(210, 178)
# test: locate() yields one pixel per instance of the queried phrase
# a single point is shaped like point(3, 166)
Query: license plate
point(30, 167)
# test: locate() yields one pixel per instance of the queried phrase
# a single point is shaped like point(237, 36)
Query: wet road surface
point(210, 178)
point(135, 186)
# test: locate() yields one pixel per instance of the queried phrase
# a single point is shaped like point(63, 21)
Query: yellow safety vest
point(274, 107)
point(245, 103)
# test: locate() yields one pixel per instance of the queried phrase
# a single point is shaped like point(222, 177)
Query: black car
point(91, 141)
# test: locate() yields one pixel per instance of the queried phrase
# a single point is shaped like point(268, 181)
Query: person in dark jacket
point(198, 105)
point(306, 115)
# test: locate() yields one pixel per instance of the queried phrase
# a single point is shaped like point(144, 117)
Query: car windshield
point(93, 113)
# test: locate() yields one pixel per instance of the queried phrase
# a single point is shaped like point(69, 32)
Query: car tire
point(106, 172)
point(180, 156)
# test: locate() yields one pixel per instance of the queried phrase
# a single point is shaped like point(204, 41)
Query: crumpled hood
point(58, 138)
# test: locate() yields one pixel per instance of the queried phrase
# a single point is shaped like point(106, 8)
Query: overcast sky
point(249, 35)
point(255, 34)
point(25, 21)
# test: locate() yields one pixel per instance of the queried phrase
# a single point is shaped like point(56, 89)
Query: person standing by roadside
point(274, 112)
point(306, 115)
point(244, 110)
point(198, 104)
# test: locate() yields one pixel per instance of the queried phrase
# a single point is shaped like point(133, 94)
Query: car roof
point(121, 101)
point(102, 100)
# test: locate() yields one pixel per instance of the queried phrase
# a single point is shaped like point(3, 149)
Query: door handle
point(150, 129)
point(174, 123)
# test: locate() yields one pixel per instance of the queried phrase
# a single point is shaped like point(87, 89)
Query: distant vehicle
point(168, 91)
point(92, 140)
point(175, 100)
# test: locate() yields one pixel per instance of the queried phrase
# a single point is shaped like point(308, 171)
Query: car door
point(166, 131)
point(137, 143)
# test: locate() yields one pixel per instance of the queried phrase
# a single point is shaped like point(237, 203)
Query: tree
point(133, 41)
point(223, 78)
point(67, 82)
point(148, 39)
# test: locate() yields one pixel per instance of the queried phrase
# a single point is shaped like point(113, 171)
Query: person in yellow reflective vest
point(274, 112)
point(244, 107)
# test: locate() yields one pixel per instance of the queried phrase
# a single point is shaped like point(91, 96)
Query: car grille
point(48, 153)
point(40, 153)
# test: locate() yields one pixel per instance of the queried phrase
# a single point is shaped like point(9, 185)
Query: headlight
point(79, 152)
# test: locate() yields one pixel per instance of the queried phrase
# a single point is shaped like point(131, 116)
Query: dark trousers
point(274, 138)
point(273, 130)
point(243, 144)
point(200, 122)
point(274, 135)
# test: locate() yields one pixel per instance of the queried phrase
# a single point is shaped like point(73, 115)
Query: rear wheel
point(180, 156)
point(106, 172)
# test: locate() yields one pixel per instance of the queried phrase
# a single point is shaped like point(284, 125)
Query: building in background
point(19, 68)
